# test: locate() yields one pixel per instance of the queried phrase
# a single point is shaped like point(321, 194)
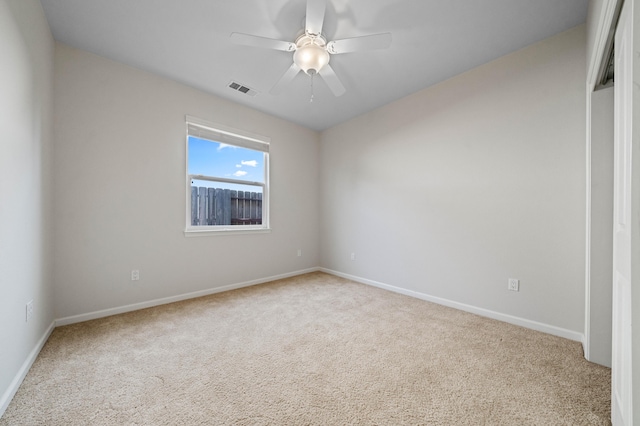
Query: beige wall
point(120, 190)
point(26, 85)
point(452, 190)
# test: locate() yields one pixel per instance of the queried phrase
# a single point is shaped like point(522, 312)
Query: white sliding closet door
point(624, 223)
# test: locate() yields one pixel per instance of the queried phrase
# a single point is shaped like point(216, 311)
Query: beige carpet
point(310, 350)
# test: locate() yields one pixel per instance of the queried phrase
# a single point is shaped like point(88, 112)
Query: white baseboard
point(534, 325)
point(22, 373)
point(156, 302)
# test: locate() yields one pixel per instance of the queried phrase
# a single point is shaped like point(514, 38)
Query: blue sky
point(221, 160)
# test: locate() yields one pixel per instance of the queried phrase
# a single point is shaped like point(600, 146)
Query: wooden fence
point(216, 206)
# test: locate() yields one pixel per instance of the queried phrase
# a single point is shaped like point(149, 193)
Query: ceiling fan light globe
point(311, 58)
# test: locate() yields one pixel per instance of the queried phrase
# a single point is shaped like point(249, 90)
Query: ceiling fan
point(311, 51)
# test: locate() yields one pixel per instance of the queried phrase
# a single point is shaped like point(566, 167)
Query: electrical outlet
point(514, 285)
point(29, 310)
point(135, 275)
point(299, 252)
point(353, 256)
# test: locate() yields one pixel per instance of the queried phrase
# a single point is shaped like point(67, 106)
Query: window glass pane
point(222, 199)
point(217, 159)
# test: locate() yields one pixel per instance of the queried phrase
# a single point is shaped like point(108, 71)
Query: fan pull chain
point(312, 94)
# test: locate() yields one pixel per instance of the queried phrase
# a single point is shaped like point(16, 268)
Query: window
point(227, 179)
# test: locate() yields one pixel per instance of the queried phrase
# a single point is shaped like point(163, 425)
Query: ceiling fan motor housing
point(311, 53)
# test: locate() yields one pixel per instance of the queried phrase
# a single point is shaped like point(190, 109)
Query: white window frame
point(219, 133)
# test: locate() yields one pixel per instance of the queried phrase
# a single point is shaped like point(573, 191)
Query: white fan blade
point(286, 78)
point(315, 16)
point(369, 42)
point(257, 41)
point(329, 76)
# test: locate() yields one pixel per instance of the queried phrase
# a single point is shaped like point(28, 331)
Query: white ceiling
point(188, 41)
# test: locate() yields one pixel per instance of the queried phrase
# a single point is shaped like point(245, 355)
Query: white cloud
point(240, 173)
point(224, 145)
point(238, 165)
point(252, 163)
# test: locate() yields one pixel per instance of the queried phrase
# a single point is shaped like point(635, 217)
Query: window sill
point(194, 232)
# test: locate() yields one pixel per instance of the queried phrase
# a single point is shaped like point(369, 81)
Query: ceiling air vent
point(243, 89)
